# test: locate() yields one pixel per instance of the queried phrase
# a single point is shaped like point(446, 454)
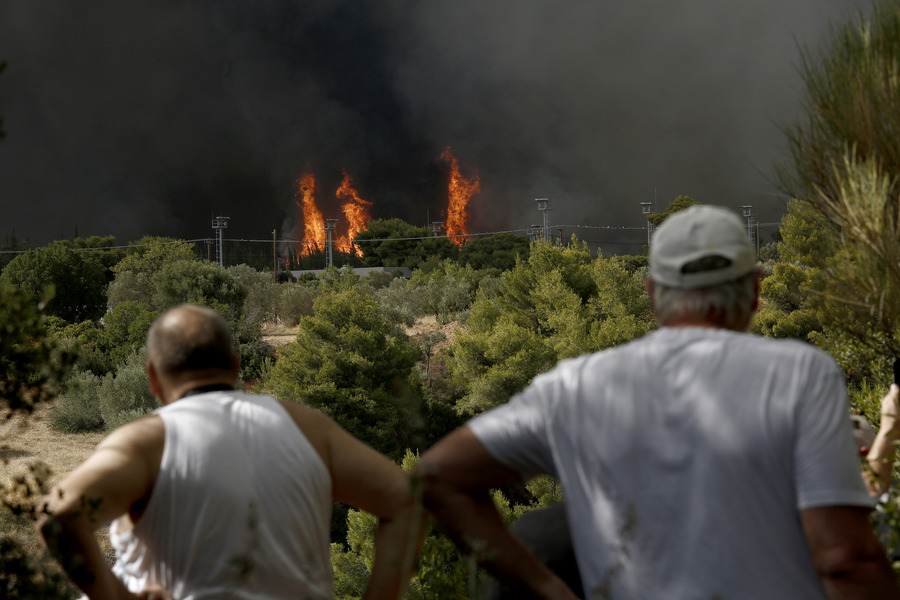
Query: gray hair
point(728, 305)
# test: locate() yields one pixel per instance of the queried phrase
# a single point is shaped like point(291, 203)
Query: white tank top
point(241, 507)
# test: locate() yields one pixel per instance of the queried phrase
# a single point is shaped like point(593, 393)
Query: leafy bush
point(295, 300)
point(401, 302)
point(126, 396)
point(347, 362)
point(78, 410)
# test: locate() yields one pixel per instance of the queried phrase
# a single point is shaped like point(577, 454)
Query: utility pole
point(543, 205)
point(274, 256)
point(752, 232)
point(646, 207)
point(330, 225)
point(219, 224)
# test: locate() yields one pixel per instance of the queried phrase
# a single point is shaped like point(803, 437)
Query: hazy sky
point(133, 118)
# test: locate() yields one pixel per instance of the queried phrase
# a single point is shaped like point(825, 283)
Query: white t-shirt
point(241, 507)
point(685, 457)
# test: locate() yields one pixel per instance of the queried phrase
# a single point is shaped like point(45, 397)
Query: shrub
point(78, 410)
point(296, 300)
point(126, 396)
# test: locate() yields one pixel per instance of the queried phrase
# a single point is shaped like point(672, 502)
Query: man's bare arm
point(120, 473)
point(850, 561)
point(366, 480)
point(456, 476)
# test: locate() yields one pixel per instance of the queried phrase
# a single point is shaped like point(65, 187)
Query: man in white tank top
point(222, 494)
point(697, 462)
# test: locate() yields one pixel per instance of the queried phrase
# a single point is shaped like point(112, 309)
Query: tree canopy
point(76, 282)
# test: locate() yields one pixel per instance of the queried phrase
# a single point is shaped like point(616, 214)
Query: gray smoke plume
point(138, 118)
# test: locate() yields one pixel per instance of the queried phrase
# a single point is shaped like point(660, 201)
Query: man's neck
point(176, 391)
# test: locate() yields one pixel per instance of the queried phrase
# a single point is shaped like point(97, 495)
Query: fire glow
point(356, 210)
point(460, 192)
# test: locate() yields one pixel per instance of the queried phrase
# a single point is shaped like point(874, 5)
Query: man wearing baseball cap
point(696, 462)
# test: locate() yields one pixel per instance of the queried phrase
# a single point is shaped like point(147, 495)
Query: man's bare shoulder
point(147, 431)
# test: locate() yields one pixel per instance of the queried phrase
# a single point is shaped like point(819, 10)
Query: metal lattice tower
point(646, 209)
point(543, 205)
point(330, 225)
point(751, 223)
point(220, 224)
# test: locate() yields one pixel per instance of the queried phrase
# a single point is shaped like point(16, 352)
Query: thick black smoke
point(136, 118)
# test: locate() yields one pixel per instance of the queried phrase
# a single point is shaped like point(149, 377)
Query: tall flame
point(313, 223)
point(461, 191)
point(355, 210)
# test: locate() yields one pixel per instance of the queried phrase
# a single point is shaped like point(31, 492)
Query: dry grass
point(26, 441)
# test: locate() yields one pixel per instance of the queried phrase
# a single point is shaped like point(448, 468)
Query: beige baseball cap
point(695, 233)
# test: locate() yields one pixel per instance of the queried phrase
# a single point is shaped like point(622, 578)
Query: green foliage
point(396, 243)
point(78, 281)
point(446, 290)
point(850, 105)
point(348, 362)
point(499, 251)
point(261, 303)
point(557, 304)
point(129, 286)
point(401, 302)
point(296, 300)
point(101, 248)
point(125, 395)
point(78, 409)
point(126, 329)
point(679, 203)
point(150, 254)
point(197, 282)
point(32, 363)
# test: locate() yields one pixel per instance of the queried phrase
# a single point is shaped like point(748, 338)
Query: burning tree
point(356, 210)
point(460, 191)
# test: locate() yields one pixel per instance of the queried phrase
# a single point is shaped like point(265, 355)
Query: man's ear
point(756, 277)
point(155, 388)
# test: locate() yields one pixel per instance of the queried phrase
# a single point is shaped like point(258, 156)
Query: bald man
point(221, 493)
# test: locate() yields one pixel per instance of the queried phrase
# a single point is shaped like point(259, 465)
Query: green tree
point(78, 281)
point(197, 282)
point(446, 290)
point(679, 203)
point(349, 362)
point(498, 251)
point(557, 304)
point(102, 248)
point(396, 243)
point(150, 254)
point(850, 107)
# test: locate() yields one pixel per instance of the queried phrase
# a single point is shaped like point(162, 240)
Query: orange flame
point(357, 213)
point(461, 191)
point(313, 223)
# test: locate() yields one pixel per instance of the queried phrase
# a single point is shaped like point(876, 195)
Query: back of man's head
point(189, 338)
point(703, 266)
